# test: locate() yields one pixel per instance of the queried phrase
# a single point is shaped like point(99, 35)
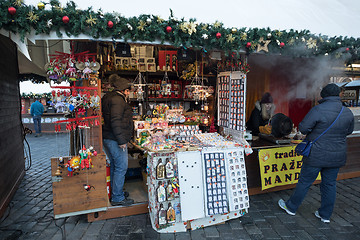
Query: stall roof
point(326, 17)
point(355, 83)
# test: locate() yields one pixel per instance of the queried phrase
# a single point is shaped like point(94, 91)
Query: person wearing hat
point(327, 154)
point(263, 111)
point(36, 111)
point(117, 132)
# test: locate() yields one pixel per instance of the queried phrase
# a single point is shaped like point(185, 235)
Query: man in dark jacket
point(327, 154)
point(117, 132)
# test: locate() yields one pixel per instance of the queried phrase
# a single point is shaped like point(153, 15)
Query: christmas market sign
point(17, 17)
point(279, 166)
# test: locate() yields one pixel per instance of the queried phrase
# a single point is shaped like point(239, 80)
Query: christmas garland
point(19, 18)
point(36, 95)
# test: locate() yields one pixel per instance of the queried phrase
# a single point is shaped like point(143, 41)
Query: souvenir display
point(197, 188)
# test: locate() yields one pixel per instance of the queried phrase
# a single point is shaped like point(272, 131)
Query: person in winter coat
point(263, 111)
point(36, 111)
point(327, 154)
point(117, 132)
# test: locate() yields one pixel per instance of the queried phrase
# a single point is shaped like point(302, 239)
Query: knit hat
point(281, 125)
point(118, 82)
point(330, 90)
point(267, 98)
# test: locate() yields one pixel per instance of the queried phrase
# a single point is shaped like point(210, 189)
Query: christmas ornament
point(233, 30)
point(168, 29)
point(204, 27)
point(49, 23)
point(230, 38)
point(205, 36)
point(90, 20)
point(243, 36)
point(12, 10)
point(129, 27)
point(18, 3)
point(218, 35)
point(347, 49)
point(282, 44)
point(263, 45)
point(311, 43)
point(65, 19)
point(159, 19)
point(142, 25)
point(217, 24)
point(32, 17)
point(248, 44)
point(268, 35)
point(41, 5)
point(110, 24)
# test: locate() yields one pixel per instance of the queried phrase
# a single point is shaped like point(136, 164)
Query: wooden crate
point(69, 195)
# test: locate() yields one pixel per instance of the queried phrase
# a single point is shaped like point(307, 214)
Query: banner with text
point(279, 166)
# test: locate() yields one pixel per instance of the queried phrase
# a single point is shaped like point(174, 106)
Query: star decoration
point(243, 36)
point(59, 8)
point(263, 45)
point(205, 36)
point(291, 41)
point(230, 38)
point(217, 24)
point(32, 17)
point(142, 25)
point(91, 21)
point(18, 3)
point(311, 43)
point(49, 23)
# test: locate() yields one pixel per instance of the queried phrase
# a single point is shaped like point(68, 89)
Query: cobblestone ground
point(30, 213)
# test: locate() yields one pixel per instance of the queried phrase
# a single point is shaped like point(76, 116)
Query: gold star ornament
point(263, 45)
point(33, 17)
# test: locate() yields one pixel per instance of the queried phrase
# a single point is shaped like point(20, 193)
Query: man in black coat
point(117, 132)
point(327, 154)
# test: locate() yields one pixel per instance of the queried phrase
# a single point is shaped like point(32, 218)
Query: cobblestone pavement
point(30, 213)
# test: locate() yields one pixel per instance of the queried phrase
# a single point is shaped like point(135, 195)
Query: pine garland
point(188, 34)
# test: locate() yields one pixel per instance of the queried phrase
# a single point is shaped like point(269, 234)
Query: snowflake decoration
point(230, 38)
point(217, 24)
point(33, 17)
point(311, 43)
point(159, 19)
point(91, 21)
point(205, 36)
point(18, 3)
point(142, 25)
point(243, 36)
point(189, 27)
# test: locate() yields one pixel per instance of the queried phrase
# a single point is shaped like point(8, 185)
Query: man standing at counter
point(117, 132)
point(327, 154)
point(36, 111)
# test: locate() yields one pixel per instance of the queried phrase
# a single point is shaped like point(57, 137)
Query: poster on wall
point(279, 166)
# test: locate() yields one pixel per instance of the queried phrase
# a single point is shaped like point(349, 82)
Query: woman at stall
point(263, 111)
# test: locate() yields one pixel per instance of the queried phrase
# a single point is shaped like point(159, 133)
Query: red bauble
point(65, 19)
point(168, 29)
point(218, 35)
point(248, 44)
point(347, 49)
point(282, 44)
point(110, 24)
point(12, 10)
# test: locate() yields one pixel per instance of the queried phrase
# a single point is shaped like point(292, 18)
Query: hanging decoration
point(197, 90)
point(139, 83)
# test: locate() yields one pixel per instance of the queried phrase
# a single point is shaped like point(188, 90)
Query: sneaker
point(126, 194)
point(125, 202)
point(323, 220)
point(282, 205)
